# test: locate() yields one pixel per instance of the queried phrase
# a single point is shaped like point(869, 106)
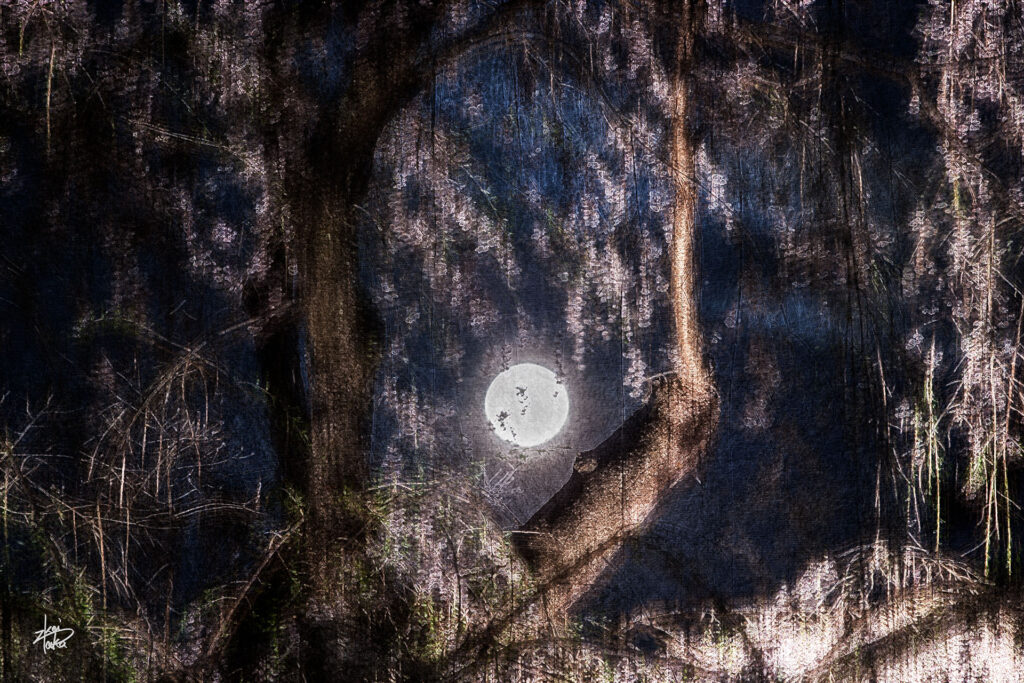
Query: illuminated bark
point(615, 488)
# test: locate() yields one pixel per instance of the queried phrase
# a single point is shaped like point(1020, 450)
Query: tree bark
point(616, 487)
point(332, 146)
point(334, 166)
point(683, 267)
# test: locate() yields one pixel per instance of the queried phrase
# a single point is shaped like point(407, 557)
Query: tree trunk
point(327, 149)
point(615, 488)
point(342, 361)
point(334, 166)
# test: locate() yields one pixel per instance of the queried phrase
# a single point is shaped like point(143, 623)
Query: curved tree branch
point(616, 487)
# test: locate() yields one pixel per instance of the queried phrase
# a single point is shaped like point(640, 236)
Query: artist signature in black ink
point(51, 636)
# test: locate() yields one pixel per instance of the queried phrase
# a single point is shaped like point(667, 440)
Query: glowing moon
point(526, 405)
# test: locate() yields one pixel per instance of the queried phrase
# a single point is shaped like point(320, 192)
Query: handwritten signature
point(51, 636)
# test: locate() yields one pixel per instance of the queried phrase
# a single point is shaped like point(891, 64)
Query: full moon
point(526, 405)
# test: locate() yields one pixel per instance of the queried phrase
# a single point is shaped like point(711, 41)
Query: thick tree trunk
point(616, 487)
point(336, 162)
point(342, 353)
point(328, 151)
point(342, 361)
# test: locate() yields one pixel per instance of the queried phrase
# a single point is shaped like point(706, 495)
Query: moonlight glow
point(526, 405)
